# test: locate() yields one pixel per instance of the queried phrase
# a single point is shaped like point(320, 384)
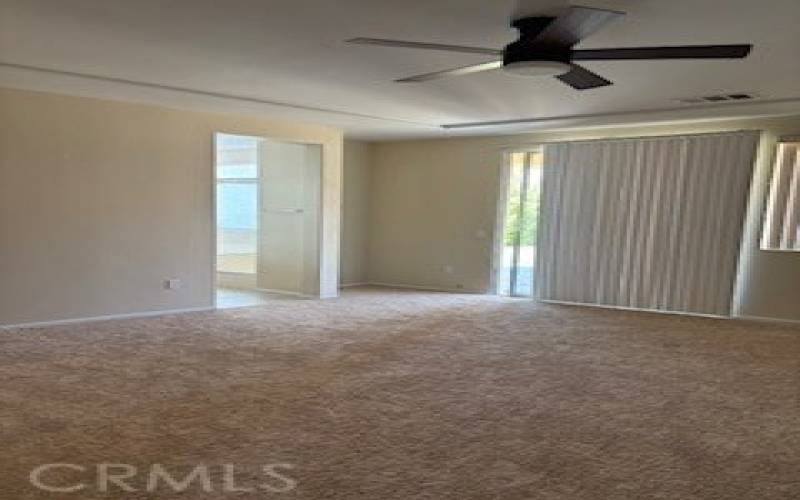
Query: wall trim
point(110, 317)
point(354, 284)
point(765, 319)
point(281, 292)
point(634, 309)
point(425, 288)
point(201, 92)
point(677, 113)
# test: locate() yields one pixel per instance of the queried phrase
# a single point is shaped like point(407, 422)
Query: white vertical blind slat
point(791, 212)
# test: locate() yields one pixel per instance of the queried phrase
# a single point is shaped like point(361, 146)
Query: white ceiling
point(289, 57)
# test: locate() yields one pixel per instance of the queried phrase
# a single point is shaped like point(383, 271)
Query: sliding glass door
point(520, 222)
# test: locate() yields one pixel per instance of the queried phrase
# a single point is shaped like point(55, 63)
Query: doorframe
point(320, 212)
point(498, 236)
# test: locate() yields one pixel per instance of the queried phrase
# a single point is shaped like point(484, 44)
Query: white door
point(289, 224)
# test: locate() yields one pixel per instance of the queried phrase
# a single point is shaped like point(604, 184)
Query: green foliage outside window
point(525, 223)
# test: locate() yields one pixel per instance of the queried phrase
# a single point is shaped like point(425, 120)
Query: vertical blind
point(782, 221)
point(646, 223)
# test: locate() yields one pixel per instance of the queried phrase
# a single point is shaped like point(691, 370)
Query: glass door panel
point(516, 275)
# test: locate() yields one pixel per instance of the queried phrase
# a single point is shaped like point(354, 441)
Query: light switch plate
point(172, 284)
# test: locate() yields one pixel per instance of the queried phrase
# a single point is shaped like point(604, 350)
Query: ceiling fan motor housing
point(530, 57)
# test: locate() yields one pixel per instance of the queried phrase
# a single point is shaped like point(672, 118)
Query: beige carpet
point(405, 395)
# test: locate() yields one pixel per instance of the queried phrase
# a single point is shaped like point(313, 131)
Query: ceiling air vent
point(717, 98)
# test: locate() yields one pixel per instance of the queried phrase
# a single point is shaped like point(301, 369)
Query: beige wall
point(431, 199)
point(101, 201)
point(355, 212)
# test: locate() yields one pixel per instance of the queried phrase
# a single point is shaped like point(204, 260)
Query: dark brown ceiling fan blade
point(581, 78)
point(678, 52)
point(574, 25)
point(383, 42)
point(464, 70)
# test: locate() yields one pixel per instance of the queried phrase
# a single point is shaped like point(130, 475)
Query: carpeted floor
point(405, 395)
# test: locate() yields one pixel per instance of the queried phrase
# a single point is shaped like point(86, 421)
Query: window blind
point(782, 218)
point(646, 223)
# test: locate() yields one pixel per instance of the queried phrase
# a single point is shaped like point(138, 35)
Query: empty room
point(400, 249)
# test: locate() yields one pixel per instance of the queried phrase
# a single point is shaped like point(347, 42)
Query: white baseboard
point(270, 290)
point(424, 288)
point(764, 319)
point(110, 317)
point(351, 285)
point(634, 309)
point(286, 292)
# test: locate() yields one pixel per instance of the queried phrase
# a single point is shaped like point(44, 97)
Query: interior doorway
point(267, 219)
point(522, 190)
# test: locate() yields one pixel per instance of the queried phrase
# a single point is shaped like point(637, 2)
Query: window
point(782, 220)
point(237, 203)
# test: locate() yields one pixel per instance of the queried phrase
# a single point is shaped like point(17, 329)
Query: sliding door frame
point(523, 195)
point(502, 198)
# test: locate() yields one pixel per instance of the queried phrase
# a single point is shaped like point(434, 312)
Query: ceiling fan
point(545, 48)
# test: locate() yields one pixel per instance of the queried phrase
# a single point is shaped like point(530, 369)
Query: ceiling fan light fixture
point(546, 47)
point(537, 68)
